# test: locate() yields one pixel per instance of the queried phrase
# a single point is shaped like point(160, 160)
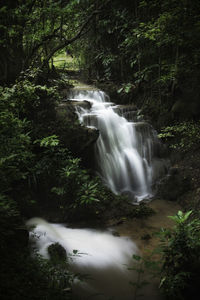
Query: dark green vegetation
point(33, 31)
point(39, 175)
point(150, 49)
point(146, 52)
point(175, 261)
point(180, 272)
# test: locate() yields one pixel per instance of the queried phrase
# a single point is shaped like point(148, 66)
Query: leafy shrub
point(9, 220)
point(180, 247)
point(76, 187)
point(34, 160)
point(23, 117)
point(15, 150)
point(34, 278)
point(183, 136)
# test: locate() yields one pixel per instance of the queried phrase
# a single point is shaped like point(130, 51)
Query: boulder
point(65, 111)
point(57, 253)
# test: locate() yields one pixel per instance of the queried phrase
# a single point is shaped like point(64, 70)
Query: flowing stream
point(127, 150)
point(102, 256)
point(128, 160)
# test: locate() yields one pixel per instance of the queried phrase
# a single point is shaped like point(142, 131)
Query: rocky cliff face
point(77, 138)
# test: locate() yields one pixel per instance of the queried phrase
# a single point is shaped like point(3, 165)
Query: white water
point(124, 151)
point(125, 154)
point(104, 257)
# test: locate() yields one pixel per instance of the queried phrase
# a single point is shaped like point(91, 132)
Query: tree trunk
point(11, 49)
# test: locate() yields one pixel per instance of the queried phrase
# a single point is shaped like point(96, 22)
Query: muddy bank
point(142, 230)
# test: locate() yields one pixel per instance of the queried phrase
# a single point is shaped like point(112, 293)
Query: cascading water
point(127, 163)
point(124, 150)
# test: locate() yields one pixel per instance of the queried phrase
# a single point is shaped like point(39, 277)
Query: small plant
point(139, 283)
point(146, 267)
point(49, 141)
point(76, 187)
point(126, 88)
point(177, 261)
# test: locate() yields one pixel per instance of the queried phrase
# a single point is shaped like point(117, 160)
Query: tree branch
point(69, 41)
point(80, 33)
point(44, 39)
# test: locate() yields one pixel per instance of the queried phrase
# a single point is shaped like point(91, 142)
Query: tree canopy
point(33, 31)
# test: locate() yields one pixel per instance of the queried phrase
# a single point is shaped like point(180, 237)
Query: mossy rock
point(57, 253)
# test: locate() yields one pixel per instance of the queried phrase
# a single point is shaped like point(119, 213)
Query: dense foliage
point(36, 167)
point(31, 32)
point(151, 48)
point(183, 136)
point(38, 174)
point(25, 277)
point(175, 261)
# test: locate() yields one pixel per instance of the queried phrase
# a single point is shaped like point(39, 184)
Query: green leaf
point(49, 141)
point(136, 257)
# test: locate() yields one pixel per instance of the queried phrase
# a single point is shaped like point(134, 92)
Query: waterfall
point(125, 150)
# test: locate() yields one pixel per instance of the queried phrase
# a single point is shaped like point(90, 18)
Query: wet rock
point(65, 92)
point(115, 233)
point(92, 136)
point(128, 111)
point(65, 111)
point(57, 253)
point(77, 138)
point(127, 107)
point(83, 103)
point(86, 151)
point(146, 237)
point(173, 171)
